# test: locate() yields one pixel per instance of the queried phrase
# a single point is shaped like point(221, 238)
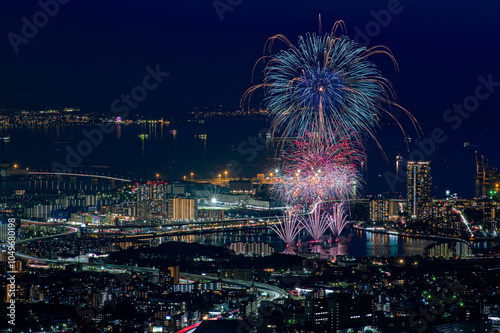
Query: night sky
point(90, 52)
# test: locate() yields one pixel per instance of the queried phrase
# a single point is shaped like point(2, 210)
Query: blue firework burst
point(326, 82)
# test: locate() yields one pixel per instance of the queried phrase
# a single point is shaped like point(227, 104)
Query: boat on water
point(5, 138)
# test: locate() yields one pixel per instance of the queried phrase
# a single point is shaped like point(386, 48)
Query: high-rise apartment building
point(155, 204)
point(349, 314)
point(316, 308)
point(418, 188)
point(379, 210)
point(182, 208)
point(152, 201)
point(384, 210)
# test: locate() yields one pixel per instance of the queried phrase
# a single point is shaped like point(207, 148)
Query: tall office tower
point(418, 188)
point(152, 201)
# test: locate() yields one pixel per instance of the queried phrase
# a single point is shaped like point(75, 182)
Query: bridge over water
point(73, 174)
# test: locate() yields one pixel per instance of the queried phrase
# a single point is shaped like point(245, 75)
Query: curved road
point(274, 291)
point(29, 240)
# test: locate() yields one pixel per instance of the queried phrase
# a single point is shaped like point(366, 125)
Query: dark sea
point(142, 151)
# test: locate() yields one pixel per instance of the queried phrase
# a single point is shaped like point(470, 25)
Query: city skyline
point(249, 167)
point(432, 105)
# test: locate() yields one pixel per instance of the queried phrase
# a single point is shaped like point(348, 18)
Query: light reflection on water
point(387, 245)
point(357, 244)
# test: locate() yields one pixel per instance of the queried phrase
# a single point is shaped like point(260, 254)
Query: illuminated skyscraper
point(152, 199)
point(418, 188)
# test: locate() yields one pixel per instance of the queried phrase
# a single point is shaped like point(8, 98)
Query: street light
point(192, 174)
point(225, 173)
point(184, 177)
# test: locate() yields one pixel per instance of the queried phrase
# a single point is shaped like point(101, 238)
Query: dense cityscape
point(309, 199)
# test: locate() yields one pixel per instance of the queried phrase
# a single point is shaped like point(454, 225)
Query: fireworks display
point(288, 228)
point(313, 171)
point(338, 219)
point(328, 96)
point(325, 81)
point(317, 222)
